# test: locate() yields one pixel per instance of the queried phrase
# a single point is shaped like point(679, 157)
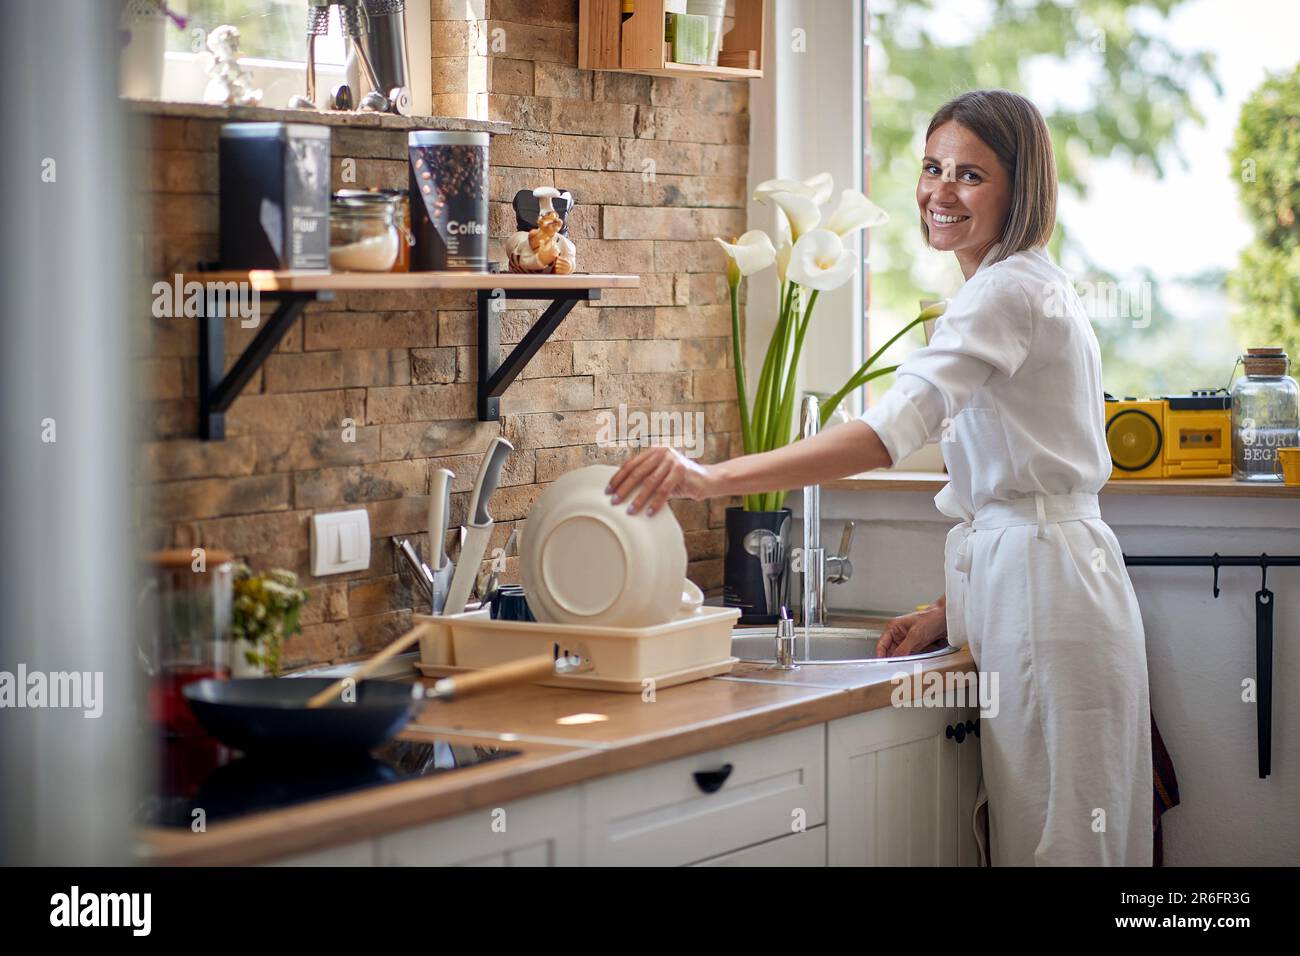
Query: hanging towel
point(1166, 789)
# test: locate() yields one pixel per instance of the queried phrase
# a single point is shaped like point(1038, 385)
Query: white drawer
point(350, 854)
point(661, 815)
point(537, 831)
point(797, 849)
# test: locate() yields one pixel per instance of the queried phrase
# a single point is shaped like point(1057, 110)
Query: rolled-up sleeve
point(985, 331)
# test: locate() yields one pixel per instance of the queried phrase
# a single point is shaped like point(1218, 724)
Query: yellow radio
point(1176, 436)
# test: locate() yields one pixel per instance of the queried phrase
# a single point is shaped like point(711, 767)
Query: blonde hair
point(1015, 130)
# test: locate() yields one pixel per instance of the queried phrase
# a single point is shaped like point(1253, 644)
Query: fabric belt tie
point(1039, 510)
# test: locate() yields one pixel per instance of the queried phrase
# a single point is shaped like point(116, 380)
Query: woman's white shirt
point(1010, 385)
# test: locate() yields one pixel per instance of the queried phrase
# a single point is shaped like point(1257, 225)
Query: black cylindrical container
point(449, 208)
point(742, 573)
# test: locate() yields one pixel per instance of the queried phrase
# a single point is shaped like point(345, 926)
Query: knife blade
point(439, 517)
point(478, 529)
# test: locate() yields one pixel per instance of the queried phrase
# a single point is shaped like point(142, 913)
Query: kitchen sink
point(827, 645)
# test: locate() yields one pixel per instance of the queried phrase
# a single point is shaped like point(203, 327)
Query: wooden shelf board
point(340, 118)
point(1176, 487)
point(267, 281)
point(716, 72)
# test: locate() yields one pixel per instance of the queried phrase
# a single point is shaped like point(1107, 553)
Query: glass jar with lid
point(364, 234)
point(1265, 415)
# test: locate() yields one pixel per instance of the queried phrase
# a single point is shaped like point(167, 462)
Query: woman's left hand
point(913, 633)
point(654, 476)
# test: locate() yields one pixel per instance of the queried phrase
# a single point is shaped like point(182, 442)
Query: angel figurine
point(544, 248)
point(229, 83)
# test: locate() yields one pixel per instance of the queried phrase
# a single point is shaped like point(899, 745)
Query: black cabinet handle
point(957, 733)
point(711, 781)
point(973, 727)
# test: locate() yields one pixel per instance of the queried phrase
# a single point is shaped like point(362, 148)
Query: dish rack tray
point(624, 659)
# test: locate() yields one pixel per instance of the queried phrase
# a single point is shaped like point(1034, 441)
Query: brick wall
point(657, 167)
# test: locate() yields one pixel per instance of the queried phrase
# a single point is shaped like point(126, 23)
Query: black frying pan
point(259, 714)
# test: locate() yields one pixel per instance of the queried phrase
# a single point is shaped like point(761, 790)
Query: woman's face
point(963, 194)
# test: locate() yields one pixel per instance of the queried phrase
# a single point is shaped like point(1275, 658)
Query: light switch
point(340, 542)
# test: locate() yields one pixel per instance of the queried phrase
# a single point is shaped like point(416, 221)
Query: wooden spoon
point(392, 650)
point(499, 675)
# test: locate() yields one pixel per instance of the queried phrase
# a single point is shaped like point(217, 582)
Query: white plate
point(585, 560)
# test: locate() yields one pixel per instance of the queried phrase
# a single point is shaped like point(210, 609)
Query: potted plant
point(811, 257)
point(142, 34)
point(265, 612)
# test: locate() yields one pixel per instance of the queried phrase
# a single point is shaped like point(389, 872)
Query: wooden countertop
point(753, 701)
point(931, 481)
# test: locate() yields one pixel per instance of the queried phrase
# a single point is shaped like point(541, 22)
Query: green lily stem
point(738, 359)
point(764, 381)
point(858, 382)
point(773, 374)
point(779, 435)
point(854, 381)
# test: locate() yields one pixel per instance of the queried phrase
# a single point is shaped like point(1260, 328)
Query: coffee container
point(275, 196)
point(449, 207)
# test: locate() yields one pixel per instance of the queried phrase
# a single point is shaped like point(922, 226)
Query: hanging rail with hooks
point(1264, 610)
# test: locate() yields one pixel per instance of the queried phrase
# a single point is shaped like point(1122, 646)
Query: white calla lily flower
point(752, 252)
point(783, 259)
point(818, 188)
point(855, 212)
point(820, 261)
point(801, 213)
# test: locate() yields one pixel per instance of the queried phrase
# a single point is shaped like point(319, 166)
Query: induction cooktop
point(202, 783)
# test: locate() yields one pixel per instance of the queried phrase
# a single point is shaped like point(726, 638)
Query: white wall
point(1198, 649)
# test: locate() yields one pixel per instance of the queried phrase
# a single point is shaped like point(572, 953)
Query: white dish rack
point(626, 659)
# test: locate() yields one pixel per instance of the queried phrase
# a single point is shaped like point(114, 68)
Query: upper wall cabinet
point(639, 43)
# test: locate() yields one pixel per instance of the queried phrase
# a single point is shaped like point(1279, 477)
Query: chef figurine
point(544, 248)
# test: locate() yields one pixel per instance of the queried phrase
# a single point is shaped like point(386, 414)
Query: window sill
point(262, 114)
point(930, 481)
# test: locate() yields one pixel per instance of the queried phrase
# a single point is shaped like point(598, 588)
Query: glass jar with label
point(1265, 415)
point(364, 234)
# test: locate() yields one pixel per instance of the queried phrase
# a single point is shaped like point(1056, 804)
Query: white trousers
point(1038, 588)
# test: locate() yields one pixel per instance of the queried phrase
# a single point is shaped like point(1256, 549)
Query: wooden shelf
point(340, 118)
point(930, 481)
point(294, 290)
point(266, 281)
point(636, 45)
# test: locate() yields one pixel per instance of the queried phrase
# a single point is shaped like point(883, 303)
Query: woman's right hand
point(913, 633)
point(655, 475)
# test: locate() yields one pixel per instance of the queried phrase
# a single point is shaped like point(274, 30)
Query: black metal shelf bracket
point(494, 373)
point(218, 388)
point(1264, 610)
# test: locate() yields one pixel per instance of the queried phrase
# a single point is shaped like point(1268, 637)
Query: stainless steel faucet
point(819, 568)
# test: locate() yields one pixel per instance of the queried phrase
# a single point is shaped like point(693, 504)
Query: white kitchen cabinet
point(900, 789)
point(361, 853)
point(664, 815)
point(537, 831)
point(797, 849)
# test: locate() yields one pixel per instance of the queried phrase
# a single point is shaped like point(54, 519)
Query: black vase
point(742, 573)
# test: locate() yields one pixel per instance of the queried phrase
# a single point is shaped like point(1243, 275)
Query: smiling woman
point(988, 176)
point(1035, 581)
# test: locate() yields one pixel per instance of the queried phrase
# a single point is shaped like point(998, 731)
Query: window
point(273, 45)
point(1143, 109)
